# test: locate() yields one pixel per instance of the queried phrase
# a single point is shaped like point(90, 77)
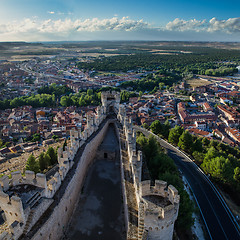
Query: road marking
point(199, 209)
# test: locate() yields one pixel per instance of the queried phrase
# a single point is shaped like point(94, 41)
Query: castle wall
point(142, 216)
point(55, 226)
point(39, 211)
point(124, 193)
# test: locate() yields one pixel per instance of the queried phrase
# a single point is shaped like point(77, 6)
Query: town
point(210, 111)
point(119, 120)
point(45, 99)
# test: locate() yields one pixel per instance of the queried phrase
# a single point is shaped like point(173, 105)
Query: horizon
point(79, 41)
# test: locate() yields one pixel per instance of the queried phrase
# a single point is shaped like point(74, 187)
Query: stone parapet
point(30, 178)
point(150, 210)
point(12, 208)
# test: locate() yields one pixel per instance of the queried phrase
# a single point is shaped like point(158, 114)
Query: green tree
point(43, 163)
point(213, 143)
point(211, 153)
point(145, 125)
point(205, 142)
point(141, 140)
point(53, 155)
point(32, 164)
point(151, 148)
point(185, 141)
point(161, 86)
point(197, 145)
point(186, 209)
point(198, 156)
point(89, 92)
point(165, 129)
point(66, 101)
point(175, 134)
point(36, 137)
point(156, 127)
point(47, 159)
point(236, 175)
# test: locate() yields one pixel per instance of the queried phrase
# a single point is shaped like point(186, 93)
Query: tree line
point(197, 61)
point(48, 99)
point(54, 89)
point(153, 82)
point(38, 100)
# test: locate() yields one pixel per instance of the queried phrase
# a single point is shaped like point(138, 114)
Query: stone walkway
point(99, 213)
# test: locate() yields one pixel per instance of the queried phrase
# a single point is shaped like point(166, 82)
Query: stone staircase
point(32, 202)
point(29, 220)
point(34, 199)
point(141, 221)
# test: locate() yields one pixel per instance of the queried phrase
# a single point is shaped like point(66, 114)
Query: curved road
point(217, 217)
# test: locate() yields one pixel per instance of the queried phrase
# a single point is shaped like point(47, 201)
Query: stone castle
point(39, 206)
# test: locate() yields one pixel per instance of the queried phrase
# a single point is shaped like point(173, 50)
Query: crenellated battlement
point(160, 189)
point(30, 178)
point(110, 101)
point(12, 207)
point(156, 206)
point(160, 204)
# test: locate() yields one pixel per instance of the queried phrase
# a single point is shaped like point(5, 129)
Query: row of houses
point(187, 117)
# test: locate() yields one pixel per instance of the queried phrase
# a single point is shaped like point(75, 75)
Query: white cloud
point(34, 29)
point(115, 24)
point(231, 25)
point(186, 25)
point(51, 12)
point(68, 25)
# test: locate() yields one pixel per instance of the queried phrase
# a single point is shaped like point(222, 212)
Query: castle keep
point(40, 206)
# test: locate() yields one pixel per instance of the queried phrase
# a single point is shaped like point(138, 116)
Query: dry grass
point(198, 82)
point(18, 163)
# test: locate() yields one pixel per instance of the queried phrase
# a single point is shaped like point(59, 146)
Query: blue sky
point(45, 20)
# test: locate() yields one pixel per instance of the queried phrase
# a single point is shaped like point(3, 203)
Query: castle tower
point(110, 101)
point(12, 207)
point(158, 209)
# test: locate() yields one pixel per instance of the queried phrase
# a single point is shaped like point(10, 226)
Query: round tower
point(159, 206)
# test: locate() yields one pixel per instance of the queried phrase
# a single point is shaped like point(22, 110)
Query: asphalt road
point(218, 220)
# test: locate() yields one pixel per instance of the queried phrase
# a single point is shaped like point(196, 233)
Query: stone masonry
point(150, 211)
